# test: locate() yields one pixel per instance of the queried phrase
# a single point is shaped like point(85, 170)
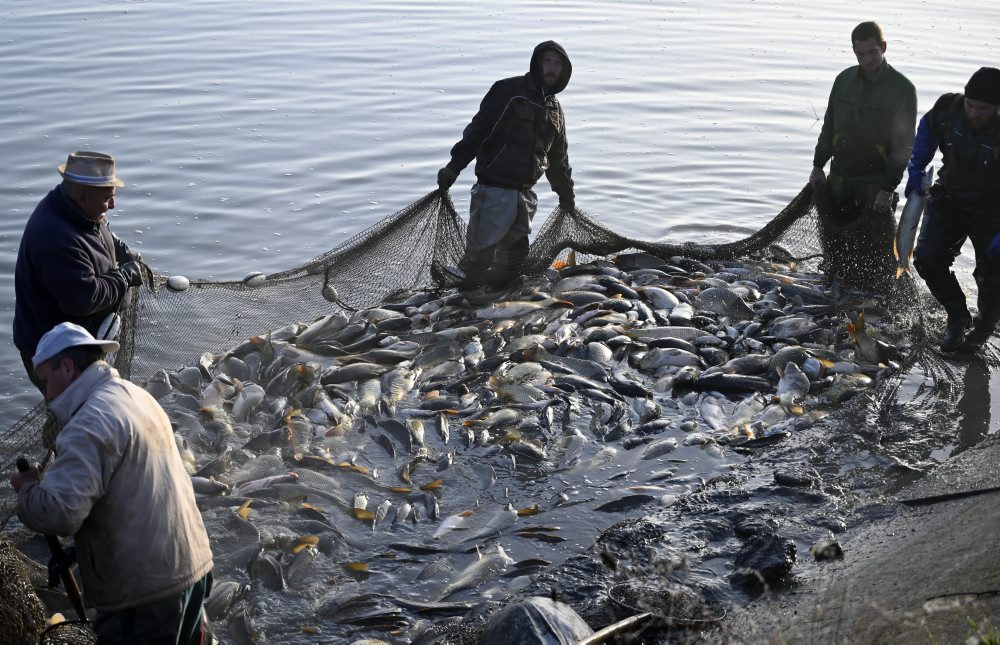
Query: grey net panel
point(405, 252)
point(791, 235)
point(400, 253)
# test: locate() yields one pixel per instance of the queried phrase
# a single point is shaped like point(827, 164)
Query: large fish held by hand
point(909, 221)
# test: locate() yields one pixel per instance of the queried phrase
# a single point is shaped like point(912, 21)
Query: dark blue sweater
point(64, 271)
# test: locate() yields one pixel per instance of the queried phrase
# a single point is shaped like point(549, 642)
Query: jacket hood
point(536, 66)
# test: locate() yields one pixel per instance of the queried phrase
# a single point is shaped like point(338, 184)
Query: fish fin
point(244, 509)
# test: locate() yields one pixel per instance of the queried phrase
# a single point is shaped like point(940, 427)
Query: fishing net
point(70, 632)
point(22, 616)
point(169, 323)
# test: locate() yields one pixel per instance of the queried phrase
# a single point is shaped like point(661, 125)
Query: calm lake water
point(256, 135)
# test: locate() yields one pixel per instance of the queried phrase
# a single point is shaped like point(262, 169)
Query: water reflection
point(974, 406)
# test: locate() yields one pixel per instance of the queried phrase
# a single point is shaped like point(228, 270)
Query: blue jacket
point(519, 132)
point(970, 170)
point(65, 271)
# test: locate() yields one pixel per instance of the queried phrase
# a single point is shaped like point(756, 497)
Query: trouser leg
point(175, 621)
point(985, 225)
point(512, 249)
point(941, 237)
point(492, 212)
point(987, 272)
point(192, 629)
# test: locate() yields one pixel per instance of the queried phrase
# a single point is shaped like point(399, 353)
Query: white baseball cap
point(66, 335)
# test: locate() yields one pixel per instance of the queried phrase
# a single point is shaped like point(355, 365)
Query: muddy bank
point(926, 573)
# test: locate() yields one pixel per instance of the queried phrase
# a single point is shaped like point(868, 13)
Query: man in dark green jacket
point(867, 130)
point(518, 134)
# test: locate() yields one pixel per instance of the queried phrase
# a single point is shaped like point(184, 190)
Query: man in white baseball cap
point(118, 485)
point(70, 266)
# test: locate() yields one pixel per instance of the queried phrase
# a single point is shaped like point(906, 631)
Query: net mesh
point(165, 328)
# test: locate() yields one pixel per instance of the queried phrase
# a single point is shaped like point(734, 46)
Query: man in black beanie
point(964, 204)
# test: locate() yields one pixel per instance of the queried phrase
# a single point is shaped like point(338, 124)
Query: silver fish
point(246, 488)
point(267, 571)
point(402, 513)
point(352, 372)
point(668, 356)
point(793, 385)
point(416, 428)
point(224, 595)
point(441, 424)
point(247, 401)
point(444, 563)
point(486, 568)
point(382, 511)
point(909, 222)
point(659, 448)
point(369, 392)
point(660, 298)
point(724, 302)
point(262, 466)
point(209, 486)
point(583, 367)
point(518, 308)
point(301, 565)
point(483, 525)
point(159, 384)
point(321, 329)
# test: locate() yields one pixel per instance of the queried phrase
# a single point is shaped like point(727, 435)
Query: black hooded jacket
point(520, 132)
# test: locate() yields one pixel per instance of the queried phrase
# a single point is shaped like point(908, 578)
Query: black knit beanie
point(984, 86)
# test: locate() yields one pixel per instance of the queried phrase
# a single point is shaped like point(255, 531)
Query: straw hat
point(90, 169)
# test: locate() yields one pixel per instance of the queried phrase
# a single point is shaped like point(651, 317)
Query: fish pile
point(372, 472)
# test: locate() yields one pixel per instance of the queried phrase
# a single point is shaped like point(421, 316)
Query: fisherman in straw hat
point(70, 266)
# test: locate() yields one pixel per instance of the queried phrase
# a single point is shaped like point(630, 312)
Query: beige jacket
point(119, 486)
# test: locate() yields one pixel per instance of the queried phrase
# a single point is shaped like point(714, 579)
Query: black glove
point(446, 177)
point(132, 273)
point(567, 204)
point(123, 253)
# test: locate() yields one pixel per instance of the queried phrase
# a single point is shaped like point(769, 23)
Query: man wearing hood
point(518, 134)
